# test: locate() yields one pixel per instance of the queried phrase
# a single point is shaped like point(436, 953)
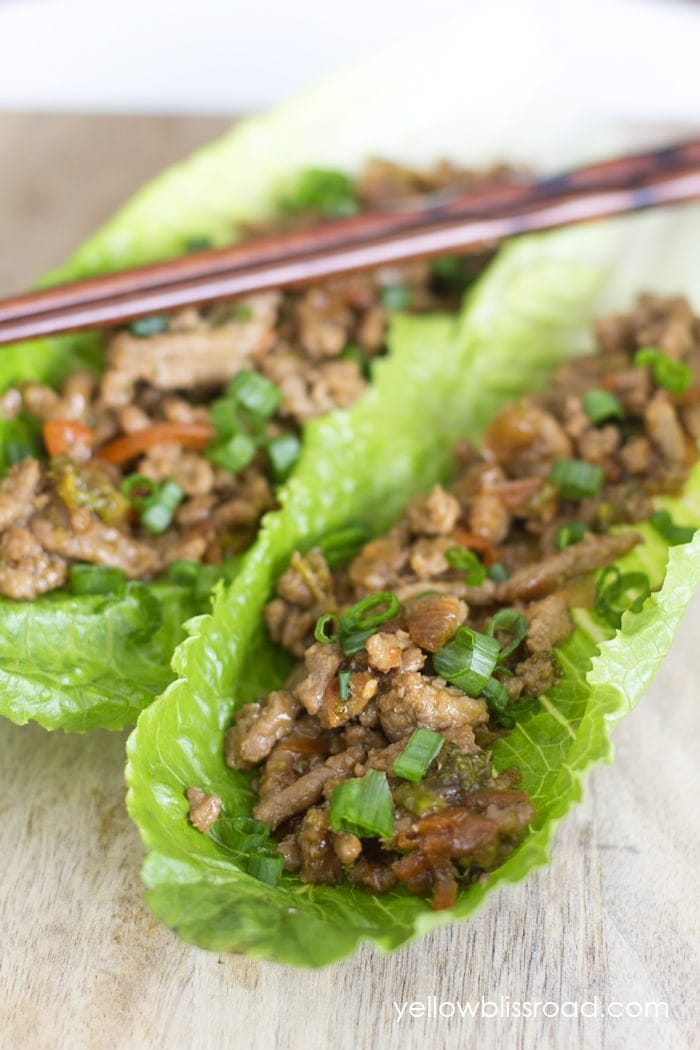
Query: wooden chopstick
point(429, 227)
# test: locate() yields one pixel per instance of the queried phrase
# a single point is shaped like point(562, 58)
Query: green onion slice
point(139, 489)
point(363, 806)
point(600, 405)
point(412, 764)
point(575, 478)
point(321, 629)
point(144, 327)
point(339, 547)
point(253, 392)
point(283, 452)
point(497, 699)
point(673, 376)
point(362, 620)
point(395, 296)
point(617, 591)
point(468, 563)
point(673, 533)
point(468, 661)
point(572, 532)
point(158, 513)
point(95, 579)
point(515, 624)
point(266, 867)
point(497, 572)
point(233, 453)
point(344, 685)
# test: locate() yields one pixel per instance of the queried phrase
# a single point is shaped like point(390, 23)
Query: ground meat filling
point(511, 533)
point(153, 413)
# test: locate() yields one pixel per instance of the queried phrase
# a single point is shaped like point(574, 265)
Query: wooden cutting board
point(83, 964)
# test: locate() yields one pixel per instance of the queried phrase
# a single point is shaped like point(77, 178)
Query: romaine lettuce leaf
point(530, 310)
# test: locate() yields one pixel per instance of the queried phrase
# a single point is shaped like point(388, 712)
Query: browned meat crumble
point(340, 716)
point(65, 503)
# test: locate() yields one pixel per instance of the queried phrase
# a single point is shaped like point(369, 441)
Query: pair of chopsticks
point(429, 227)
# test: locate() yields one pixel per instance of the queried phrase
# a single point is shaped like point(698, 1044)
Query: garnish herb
point(339, 547)
point(600, 405)
point(363, 806)
point(673, 376)
point(572, 532)
point(143, 327)
point(344, 685)
point(266, 867)
point(515, 624)
point(412, 764)
point(617, 591)
point(666, 527)
point(240, 420)
point(359, 622)
point(575, 478)
point(468, 661)
point(158, 503)
point(497, 572)
point(468, 563)
point(395, 296)
point(283, 452)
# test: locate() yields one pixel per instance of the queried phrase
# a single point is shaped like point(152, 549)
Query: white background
point(229, 56)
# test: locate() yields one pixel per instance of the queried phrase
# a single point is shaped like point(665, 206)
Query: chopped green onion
point(468, 563)
point(344, 685)
point(575, 478)
point(666, 527)
point(674, 376)
point(320, 633)
point(600, 405)
point(359, 622)
point(422, 748)
point(617, 592)
point(395, 296)
point(572, 532)
point(363, 806)
point(468, 661)
point(497, 572)
point(144, 327)
point(497, 699)
point(266, 867)
point(283, 452)
point(517, 626)
point(242, 834)
point(324, 191)
point(253, 392)
point(95, 579)
point(233, 453)
point(158, 513)
point(240, 417)
point(139, 489)
point(339, 547)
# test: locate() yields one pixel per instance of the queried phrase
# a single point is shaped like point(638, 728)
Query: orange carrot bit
point(195, 436)
point(61, 436)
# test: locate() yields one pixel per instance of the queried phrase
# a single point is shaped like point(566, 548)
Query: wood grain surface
point(83, 964)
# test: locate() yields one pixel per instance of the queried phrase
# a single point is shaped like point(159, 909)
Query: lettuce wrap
point(444, 379)
point(79, 662)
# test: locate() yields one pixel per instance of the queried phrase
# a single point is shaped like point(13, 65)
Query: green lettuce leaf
point(529, 311)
